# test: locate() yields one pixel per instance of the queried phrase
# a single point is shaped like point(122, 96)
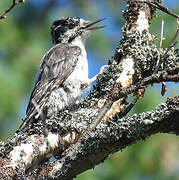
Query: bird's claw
point(103, 68)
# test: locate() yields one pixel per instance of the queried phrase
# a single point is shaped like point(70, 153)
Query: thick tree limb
point(128, 130)
point(82, 155)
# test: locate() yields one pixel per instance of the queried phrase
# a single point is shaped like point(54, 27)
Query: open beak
point(89, 24)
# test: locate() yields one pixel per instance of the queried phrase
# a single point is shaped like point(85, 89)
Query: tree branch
point(162, 8)
point(164, 119)
point(14, 3)
point(82, 155)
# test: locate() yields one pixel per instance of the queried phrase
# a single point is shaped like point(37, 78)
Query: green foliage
point(25, 37)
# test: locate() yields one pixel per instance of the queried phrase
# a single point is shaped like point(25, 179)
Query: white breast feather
point(67, 96)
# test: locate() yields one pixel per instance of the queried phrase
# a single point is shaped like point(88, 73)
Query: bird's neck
point(78, 41)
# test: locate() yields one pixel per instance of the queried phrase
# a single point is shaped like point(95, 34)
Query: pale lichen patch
point(125, 78)
point(23, 153)
point(53, 140)
point(142, 22)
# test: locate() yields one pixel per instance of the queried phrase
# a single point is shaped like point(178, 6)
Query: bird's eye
point(63, 23)
point(71, 26)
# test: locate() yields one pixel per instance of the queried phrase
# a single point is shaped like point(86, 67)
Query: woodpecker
point(63, 72)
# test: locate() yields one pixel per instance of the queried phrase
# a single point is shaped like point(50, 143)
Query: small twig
point(172, 76)
point(100, 116)
point(161, 7)
point(172, 43)
point(14, 3)
point(107, 105)
point(161, 34)
point(128, 108)
point(159, 61)
point(162, 76)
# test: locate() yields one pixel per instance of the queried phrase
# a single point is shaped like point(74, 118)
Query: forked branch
point(14, 3)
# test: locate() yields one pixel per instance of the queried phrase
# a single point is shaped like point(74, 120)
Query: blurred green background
point(25, 37)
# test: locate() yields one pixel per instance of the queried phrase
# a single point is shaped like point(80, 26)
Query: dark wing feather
point(57, 64)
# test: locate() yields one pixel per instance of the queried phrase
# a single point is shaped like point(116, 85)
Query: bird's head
point(67, 29)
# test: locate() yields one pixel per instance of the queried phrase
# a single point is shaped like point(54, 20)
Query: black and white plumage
point(63, 70)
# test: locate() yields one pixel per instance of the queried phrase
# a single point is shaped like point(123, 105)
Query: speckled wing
point(57, 64)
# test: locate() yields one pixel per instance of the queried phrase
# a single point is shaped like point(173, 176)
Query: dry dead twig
point(14, 3)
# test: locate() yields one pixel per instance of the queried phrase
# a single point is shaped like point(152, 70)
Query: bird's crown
point(66, 29)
